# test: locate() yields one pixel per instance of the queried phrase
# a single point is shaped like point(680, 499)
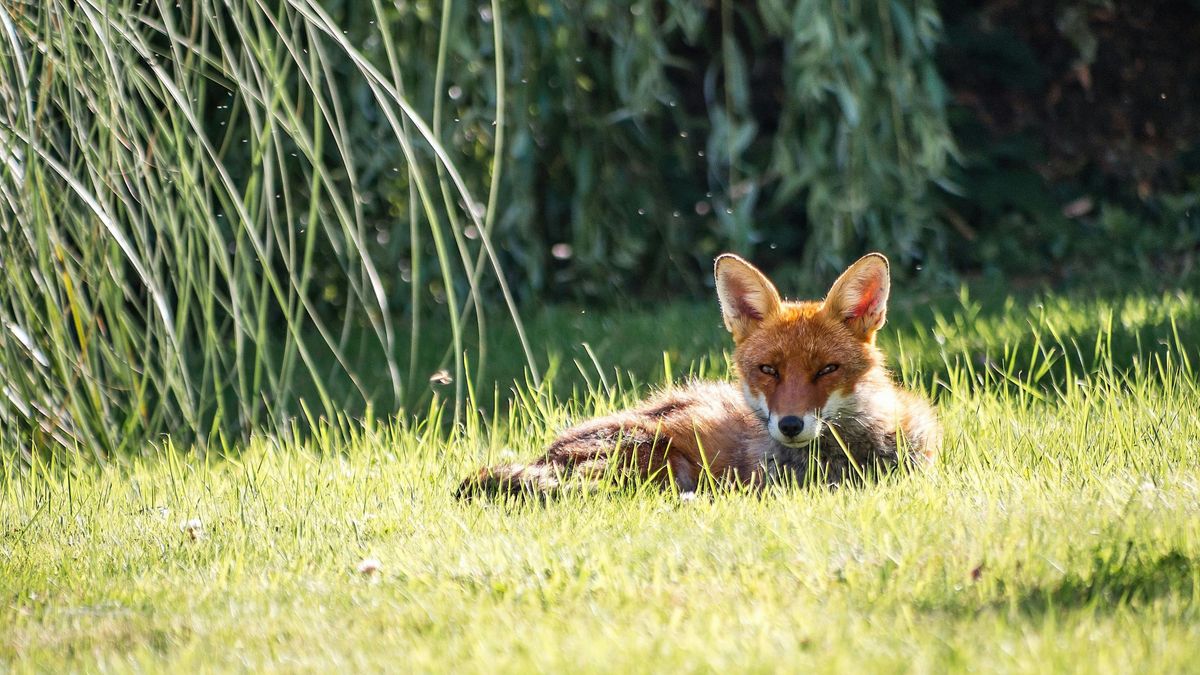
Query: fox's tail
point(582, 456)
point(516, 480)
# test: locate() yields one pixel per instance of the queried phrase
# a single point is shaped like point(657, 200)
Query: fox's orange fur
point(813, 402)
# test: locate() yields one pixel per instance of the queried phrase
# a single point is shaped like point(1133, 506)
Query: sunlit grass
point(1059, 532)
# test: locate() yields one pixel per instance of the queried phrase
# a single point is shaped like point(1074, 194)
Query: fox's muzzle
point(794, 430)
point(791, 426)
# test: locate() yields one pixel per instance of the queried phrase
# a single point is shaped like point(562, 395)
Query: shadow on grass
point(985, 329)
point(1115, 584)
point(1124, 580)
point(927, 336)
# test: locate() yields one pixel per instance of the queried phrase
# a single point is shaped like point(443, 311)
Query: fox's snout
point(794, 430)
point(791, 426)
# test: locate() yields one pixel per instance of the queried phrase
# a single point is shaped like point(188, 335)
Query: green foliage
point(810, 129)
point(186, 234)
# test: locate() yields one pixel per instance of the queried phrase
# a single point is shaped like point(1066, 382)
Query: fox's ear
point(860, 296)
point(747, 296)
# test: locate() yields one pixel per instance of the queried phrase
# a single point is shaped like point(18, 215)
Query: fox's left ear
point(747, 297)
point(860, 296)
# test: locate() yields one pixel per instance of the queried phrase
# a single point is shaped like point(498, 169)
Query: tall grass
point(177, 182)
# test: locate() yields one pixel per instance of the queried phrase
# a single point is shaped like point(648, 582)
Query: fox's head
point(799, 362)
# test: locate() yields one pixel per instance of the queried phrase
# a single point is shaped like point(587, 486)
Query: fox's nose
point(791, 425)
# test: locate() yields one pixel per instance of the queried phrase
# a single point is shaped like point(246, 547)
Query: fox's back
point(709, 423)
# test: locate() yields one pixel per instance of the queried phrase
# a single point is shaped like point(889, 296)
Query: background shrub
point(646, 137)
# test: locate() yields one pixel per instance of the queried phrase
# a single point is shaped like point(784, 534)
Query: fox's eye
point(827, 369)
point(769, 370)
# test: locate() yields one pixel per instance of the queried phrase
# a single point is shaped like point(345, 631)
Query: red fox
point(815, 402)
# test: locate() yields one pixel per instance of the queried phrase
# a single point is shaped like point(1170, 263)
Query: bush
point(788, 130)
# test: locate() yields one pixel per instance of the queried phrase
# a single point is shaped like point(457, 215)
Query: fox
point(813, 401)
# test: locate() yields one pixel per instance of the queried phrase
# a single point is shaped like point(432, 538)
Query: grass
point(194, 223)
point(1060, 531)
point(196, 201)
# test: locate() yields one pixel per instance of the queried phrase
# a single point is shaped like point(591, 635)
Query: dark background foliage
point(1078, 125)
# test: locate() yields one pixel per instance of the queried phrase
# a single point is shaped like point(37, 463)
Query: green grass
point(197, 200)
point(1060, 531)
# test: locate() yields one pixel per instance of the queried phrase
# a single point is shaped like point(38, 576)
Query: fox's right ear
point(859, 297)
point(747, 297)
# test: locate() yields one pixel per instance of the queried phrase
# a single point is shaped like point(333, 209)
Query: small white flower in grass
point(193, 528)
point(369, 567)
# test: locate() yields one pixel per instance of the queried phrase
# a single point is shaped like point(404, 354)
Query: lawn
point(1059, 532)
